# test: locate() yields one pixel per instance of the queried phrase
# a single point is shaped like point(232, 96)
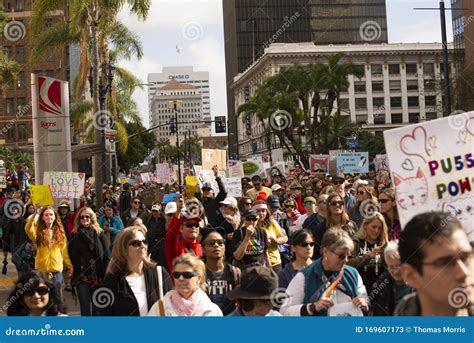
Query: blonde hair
point(383, 237)
point(196, 264)
point(118, 262)
point(370, 191)
point(94, 224)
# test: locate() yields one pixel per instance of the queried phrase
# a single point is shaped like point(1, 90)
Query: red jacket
point(175, 245)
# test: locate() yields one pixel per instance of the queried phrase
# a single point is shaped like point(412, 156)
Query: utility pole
point(176, 105)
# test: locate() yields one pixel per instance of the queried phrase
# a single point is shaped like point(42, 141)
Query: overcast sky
point(196, 26)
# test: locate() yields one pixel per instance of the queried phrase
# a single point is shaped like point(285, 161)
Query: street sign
point(110, 141)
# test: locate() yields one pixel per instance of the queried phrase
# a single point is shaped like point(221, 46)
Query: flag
point(178, 50)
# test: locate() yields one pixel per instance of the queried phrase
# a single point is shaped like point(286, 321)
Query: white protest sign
point(145, 177)
point(432, 167)
point(163, 173)
point(235, 169)
point(381, 163)
point(233, 185)
point(66, 185)
point(208, 176)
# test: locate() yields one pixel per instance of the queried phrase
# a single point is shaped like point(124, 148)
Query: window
point(397, 118)
point(7, 5)
point(361, 103)
point(20, 104)
point(431, 115)
point(430, 100)
point(430, 85)
point(19, 5)
point(10, 106)
point(411, 68)
point(361, 118)
point(395, 86)
point(412, 85)
point(413, 101)
point(344, 104)
point(50, 73)
point(394, 69)
point(396, 102)
point(7, 50)
point(428, 69)
point(11, 135)
point(378, 102)
point(377, 86)
point(413, 118)
point(22, 132)
point(20, 54)
point(20, 81)
point(377, 69)
point(379, 118)
point(359, 87)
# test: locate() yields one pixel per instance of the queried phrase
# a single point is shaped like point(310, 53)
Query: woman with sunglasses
point(328, 287)
point(136, 210)
point(35, 294)
point(46, 231)
point(90, 255)
point(336, 216)
point(302, 247)
point(188, 298)
point(292, 214)
point(275, 234)
point(245, 203)
point(131, 285)
point(366, 202)
point(389, 210)
point(369, 243)
point(221, 276)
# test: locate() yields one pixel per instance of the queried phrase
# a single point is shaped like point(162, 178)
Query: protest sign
point(212, 157)
point(145, 177)
point(352, 162)
point(208, 176)
point(234, 187)
point(191, 185)
point(318, 162)
point(163, 173)
point(432, 168)
point(66, 185)
point(251, 168)
point(3, 178)
point(41, 195)
point(235, 169)
point(169, 197)
point(381, 163)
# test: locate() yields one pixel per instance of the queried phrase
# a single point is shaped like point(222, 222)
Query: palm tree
point(8, 73)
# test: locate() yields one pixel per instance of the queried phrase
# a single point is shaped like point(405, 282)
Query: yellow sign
point(212, 157)
point(41, 195)
point(191, 185)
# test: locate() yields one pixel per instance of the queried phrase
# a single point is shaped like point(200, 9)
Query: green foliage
point(139, 146)
point(12, 158)
point(374, 144)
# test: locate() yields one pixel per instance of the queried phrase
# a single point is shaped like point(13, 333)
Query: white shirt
point(137, 284)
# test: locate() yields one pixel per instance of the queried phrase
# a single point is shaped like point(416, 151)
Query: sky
point(196, 27)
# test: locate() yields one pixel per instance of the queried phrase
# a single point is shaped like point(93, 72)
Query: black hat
point(256, 283)
point(273, 201)
point(250, 213)
point(210, 229)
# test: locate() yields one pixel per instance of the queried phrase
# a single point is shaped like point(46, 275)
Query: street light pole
point(189, 149)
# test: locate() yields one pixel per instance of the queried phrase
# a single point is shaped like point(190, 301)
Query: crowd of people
point(295, 245)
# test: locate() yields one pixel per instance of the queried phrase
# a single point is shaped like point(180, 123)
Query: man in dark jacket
point(125, 199)
point(211, 203)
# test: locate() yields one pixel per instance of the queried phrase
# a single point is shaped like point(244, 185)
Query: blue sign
point(352, 143)
point(352, 162)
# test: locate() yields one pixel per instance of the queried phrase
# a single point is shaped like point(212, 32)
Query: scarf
point(188, 307)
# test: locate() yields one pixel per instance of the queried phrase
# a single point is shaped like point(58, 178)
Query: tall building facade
point(189, 113)
point(16, 42)
point(401, 84)
point(251, 26)
point(463, 30)
point(187, 75)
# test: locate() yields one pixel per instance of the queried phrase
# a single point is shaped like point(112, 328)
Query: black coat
point(382, 296)
point(124, 301)
point(211, 206)
point(125, 202)
point(14, 234)
point(155, 237)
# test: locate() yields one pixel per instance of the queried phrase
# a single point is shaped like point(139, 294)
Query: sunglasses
point(137, 243)
point(137, 202)
point(251, 219)
point(195, 224)
point(336, 203)
point(341, 256)
point(186, 275)
point(85, 217)
point(383, 201)
point(289, 206)
point(321, 201)
point(248, 204)
point(305, 244)
point(213, 242)
point(309, 203)
point(42, 290)
point(338, 182)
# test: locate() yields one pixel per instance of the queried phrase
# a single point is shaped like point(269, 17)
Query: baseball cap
point(338, 176)
point(229, 201)
point(171, 207)
point(156, 208)
point(206, 185)
point(276, 187)
point(273, 201)
point(250, 213)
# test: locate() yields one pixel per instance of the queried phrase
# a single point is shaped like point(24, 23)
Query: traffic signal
point(248, 126)
point(220, 124)
point(172, 126)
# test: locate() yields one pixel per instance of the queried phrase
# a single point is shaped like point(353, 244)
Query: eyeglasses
point(360, 192)
point(321, 201)
point(137, 202)
point(338, 182)
point(449, 262)
point(383, 201)
point(194, 224)
point(42, 290)
point(85, 217)
point(341, 256)
point(251, 219)
point(186, 275)
point(305, 244)
point(212, 242)
point(336, 203)
point(137, 243)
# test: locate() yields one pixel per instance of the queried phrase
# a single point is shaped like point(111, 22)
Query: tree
point(8, 68)
point(374, 144)
point(139, 147)
point(12, 158)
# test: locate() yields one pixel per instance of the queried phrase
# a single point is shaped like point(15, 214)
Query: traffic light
point(220, 124)
point(248, 126)
point(172, 126)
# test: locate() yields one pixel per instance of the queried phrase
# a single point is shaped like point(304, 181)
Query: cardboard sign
point(381, 163)
point(352, 162)
point(212, 157)
point(191, 185)
point(41, 195)
point(163, 173)
point(318, 162)
point(65, 184)
point(432, 168)
point(235, 169)
point(233, 186)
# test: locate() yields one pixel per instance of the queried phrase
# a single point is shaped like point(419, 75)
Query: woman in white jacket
point(188, 298)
